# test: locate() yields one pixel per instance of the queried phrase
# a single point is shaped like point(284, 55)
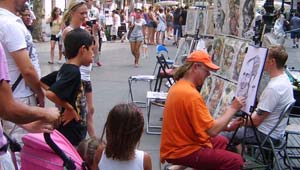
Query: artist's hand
point(69, 115)
point(238, 103)
point(234, 124)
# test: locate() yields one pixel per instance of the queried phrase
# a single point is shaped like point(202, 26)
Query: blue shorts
point(295, 34)
point(136, 39)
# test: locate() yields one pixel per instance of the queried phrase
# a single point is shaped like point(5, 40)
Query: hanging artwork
point(210, 29)
point(220, 16)
point(183, 51)
point(226, 98)
point(242, 49)
point(230, 51)
point(206, 87)
point(191, 21)
point(234, 17)
point(247, 20)
point(202, 17)
point(217, 49)
point(250, 75)
point(215, 95)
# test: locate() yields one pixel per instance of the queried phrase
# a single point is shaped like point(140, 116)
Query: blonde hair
point(73, 6)
point(180, 72)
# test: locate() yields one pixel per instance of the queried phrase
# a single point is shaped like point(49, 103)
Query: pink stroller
point(49, 152)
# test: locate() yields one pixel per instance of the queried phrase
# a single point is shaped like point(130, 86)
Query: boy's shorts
point(295, 34)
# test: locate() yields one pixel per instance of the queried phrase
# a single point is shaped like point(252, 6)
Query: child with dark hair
point(64, 87)
point(123, 130)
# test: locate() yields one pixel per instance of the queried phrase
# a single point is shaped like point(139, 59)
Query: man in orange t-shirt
point(189, 133)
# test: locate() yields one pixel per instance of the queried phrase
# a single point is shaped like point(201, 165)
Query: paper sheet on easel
point(201, 45)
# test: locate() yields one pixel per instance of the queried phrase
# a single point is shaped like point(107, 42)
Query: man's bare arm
point(20, 113)
point(29, 74)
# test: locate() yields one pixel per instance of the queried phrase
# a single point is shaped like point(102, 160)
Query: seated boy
point(64, 86)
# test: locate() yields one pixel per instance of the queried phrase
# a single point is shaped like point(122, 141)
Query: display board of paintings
point(196, 22)
point(218, 94)
point(232, 55)
point(184, 49)
point(233, 17)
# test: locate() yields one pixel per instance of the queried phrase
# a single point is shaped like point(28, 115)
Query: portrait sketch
point(250, 75)
point(206, 87)
point(228, 57)
point(248, 7)
point(226, 98)
point(210, 29)
point(234, 17)
point(191, 21)
point(219, 16)
point(202, 17)
point(242, 48)
point(183, 51)
point(217, 49)
point(215, 95)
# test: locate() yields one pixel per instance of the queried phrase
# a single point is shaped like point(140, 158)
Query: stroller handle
point(68, 162)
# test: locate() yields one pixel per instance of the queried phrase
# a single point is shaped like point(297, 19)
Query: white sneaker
point(60, 62)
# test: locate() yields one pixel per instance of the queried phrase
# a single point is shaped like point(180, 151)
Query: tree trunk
point(37, 24)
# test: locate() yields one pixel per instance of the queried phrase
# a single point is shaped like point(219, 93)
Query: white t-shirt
point(109, 164)
point(276, 96)
point(14, 36)
point(86, 72)
point(93, 13)
point(138, 27)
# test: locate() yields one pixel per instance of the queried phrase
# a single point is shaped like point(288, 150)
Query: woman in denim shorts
point(137, 35)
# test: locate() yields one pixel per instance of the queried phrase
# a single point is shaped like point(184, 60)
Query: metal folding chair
point(158, 99)
point(266, 145)
point(144, 78)
point(162, 50)
point(164, 72)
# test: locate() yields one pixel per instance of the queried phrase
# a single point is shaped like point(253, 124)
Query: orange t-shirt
point(185, 121)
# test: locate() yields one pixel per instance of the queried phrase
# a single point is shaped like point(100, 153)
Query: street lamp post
point(269, 15)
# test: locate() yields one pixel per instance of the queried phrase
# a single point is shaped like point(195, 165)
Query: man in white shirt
point(275, 97)
point(21, 59)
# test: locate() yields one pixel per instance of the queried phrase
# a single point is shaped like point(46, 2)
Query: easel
point(248, 117)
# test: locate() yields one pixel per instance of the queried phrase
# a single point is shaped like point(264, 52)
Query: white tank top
point(135, 164)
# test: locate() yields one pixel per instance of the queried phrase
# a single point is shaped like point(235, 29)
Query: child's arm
point(90, 114)
point(69, 113)
point(44, 86)
point(147, 161)
point(97, 157)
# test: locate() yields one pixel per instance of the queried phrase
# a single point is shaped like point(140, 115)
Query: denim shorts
point(136, 39)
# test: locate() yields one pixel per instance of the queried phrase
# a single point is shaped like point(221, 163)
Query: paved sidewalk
point(110, 85)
